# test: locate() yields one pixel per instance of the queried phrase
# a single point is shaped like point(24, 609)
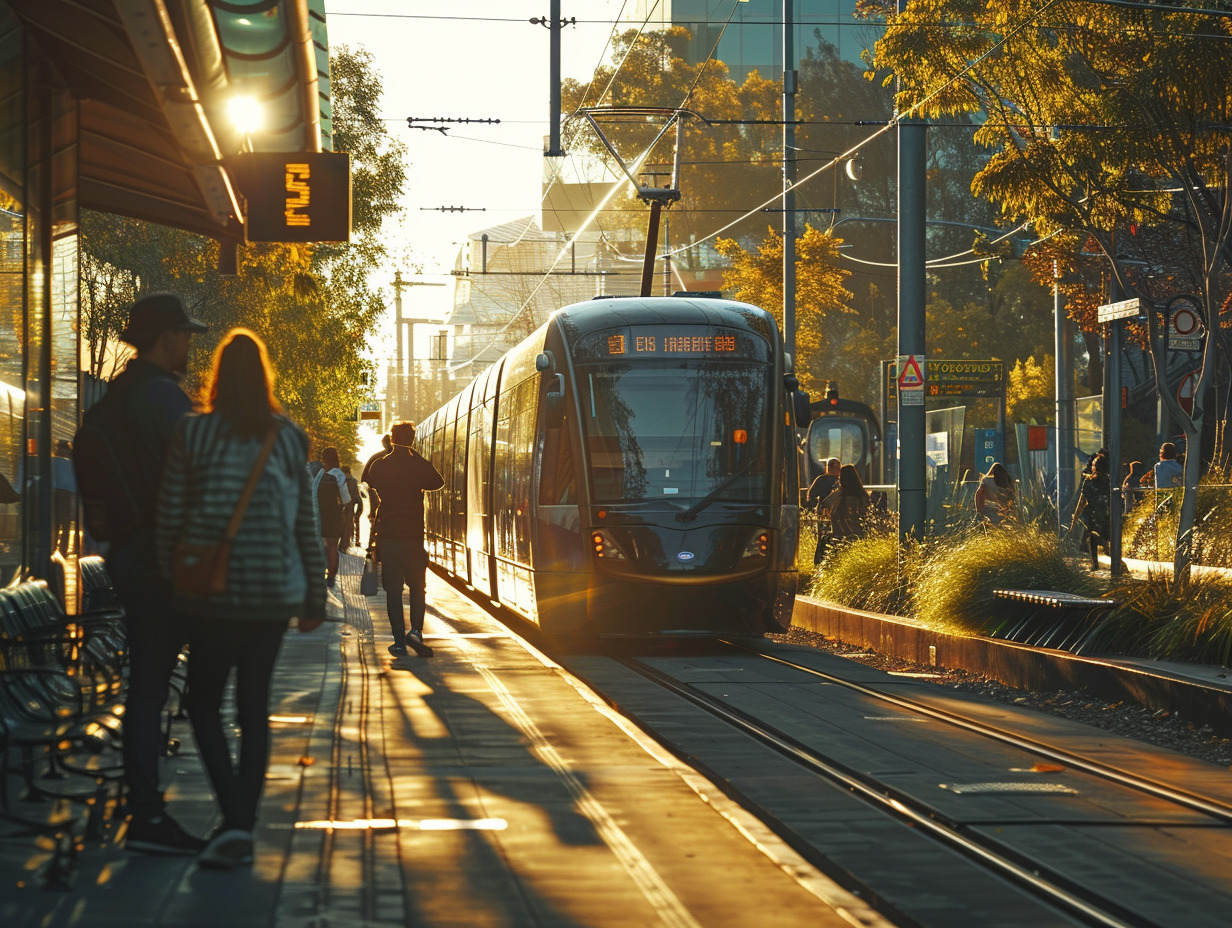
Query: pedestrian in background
point(994, 497)
point(1168, 472)
point(1094, 502)
point(821, 487)
point(275, 570)
point(148, 404)
point(400, 479)
point(64, 492)
point(386, 447)
point(333, 502)
point(352, 511)
point(1131, 488)
point(847, 505)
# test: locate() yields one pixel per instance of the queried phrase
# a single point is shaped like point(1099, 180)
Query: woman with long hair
point(994, 497)
point(1093, 505)
point(240, 459)
point(848, 504)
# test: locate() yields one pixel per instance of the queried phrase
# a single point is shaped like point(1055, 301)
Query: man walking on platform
point(400, 479)
point(148, 403)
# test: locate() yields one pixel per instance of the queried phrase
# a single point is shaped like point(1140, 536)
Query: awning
point(155, 78)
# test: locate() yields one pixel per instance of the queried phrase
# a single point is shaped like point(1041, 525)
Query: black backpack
point(329, 499)
point(102, 463)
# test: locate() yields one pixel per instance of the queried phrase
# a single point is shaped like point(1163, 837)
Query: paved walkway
point(480, 787)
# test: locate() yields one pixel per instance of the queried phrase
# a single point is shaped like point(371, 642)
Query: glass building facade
point(752, 40)
point(39, 369)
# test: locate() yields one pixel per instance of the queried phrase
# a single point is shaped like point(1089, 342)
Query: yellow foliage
point(1029, 390)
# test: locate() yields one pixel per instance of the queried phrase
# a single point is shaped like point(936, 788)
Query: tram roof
point(594, 315)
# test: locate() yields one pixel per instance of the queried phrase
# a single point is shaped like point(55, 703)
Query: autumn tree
point(1107, 125)
point(757, 278)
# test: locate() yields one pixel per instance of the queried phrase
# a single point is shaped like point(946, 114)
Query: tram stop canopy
point(159, 84)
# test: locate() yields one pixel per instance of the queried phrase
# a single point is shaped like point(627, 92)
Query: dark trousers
point(217, 645)
point(403, 562)
point(155, 637)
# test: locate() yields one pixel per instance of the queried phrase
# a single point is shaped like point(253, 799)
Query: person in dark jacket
point(161, 331)
point(275, 571)
point(354, 509)
point(386, 447)
point(400, 479)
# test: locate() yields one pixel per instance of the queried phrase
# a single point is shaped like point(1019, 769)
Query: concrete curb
point(1035, 669)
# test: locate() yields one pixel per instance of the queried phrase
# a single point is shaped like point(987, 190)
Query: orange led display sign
point(672, 344)
point(295, 196)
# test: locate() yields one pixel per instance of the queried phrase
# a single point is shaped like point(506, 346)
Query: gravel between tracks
point(1126, 719)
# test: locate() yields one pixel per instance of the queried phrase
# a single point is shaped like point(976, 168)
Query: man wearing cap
point(153, 402)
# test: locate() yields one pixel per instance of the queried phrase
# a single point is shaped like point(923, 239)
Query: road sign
point(1125, 309)
point(1185, 331)
point(944, 378)
point(370, 409)
point(1185, 392)
point(910, 379)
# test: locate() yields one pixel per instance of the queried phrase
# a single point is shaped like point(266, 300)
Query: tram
point(629, 469)
point(843, 429)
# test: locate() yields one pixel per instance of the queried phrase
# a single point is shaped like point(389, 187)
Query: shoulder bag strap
point(241, 507)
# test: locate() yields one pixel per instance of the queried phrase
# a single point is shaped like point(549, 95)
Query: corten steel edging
point(1028, 668)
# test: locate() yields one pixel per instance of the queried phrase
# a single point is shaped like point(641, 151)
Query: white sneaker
point(227, 850)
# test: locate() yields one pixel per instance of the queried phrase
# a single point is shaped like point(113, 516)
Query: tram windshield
point(677, 430)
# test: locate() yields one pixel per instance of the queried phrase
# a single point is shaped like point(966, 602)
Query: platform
point(480, 787)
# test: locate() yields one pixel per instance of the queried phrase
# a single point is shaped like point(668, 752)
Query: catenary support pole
point(789, 180)
point(912, 472)
point(1063, 351)
point(1112, 425)
point(554, 27)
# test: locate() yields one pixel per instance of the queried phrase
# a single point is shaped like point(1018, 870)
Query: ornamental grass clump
point(1159, 619)
point(959, 573)
point(872, 573)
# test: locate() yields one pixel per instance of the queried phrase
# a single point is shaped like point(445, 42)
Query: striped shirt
point(277, 566)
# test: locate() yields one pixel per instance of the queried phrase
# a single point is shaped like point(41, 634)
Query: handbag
point(201, 570)
point(369, 581)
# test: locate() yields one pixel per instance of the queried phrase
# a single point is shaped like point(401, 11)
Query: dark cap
point(156, 313)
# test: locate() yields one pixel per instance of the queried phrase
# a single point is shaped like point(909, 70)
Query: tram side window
point(557, 481)
point(523, 449)
point(502, 478)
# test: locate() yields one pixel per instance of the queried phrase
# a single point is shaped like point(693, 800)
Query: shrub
point(871, 573)
point(958, 574)
point(1158, 619)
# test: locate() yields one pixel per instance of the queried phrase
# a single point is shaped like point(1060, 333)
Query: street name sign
point(1111, 312)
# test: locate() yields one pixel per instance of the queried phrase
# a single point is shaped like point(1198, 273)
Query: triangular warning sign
point(911, 375)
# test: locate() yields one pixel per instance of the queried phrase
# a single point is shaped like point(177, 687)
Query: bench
point(62, 683)
point(1048, 618)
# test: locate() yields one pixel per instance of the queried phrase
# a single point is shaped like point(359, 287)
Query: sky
point(477, 59)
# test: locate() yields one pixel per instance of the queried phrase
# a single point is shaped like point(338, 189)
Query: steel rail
point(1190, 800)
point(1105, 913)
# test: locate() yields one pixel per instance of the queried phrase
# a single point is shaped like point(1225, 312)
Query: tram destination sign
point(956, 379)
point(667, 341)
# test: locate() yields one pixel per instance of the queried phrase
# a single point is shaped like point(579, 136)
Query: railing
point(1150, 525)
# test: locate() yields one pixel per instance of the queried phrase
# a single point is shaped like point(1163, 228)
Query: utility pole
point(401, 407)
point(1063, 345)
point(1112, 421)
point(789, 180)
point(554, 27)
point(912, 282)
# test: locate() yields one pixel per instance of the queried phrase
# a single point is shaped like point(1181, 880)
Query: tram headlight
point(759, 544)
point(605, 548)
